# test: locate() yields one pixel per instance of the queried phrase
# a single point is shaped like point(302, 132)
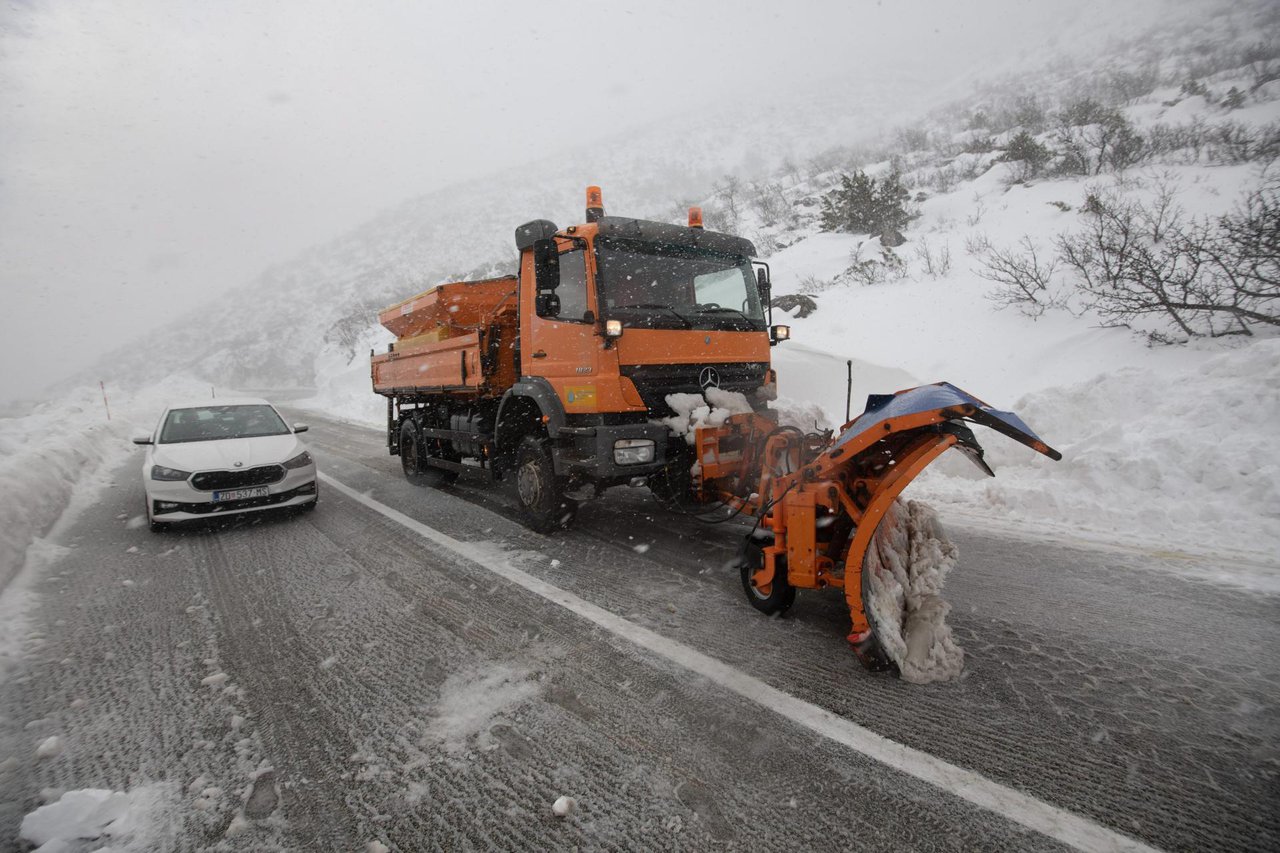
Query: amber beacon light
point(695, 217)
point(595, 204)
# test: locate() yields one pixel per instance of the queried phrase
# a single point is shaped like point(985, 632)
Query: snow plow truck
point(560, 376)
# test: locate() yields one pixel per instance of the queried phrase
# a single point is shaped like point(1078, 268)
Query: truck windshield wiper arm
point(720, 308)
point(646, 305)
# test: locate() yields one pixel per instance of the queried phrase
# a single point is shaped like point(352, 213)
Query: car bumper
point(180, 502)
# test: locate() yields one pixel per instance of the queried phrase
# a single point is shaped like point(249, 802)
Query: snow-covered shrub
point(866, 205)
point(1091, 138)
point(1028, 155)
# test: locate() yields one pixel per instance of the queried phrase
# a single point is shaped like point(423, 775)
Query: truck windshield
point(663, 286)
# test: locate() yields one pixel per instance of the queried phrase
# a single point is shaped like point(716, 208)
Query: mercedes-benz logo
point(708, 378)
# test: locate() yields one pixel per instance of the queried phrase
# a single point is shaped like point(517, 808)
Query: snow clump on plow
point(907, 566)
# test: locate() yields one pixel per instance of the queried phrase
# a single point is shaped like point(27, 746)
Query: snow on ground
point(469, 700)
point(124, 819)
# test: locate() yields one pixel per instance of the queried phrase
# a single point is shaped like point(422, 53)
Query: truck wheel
point(539, 490)
point(413, 450)
point(780, 595)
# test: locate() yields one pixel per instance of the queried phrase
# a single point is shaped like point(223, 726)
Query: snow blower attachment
point(819, 499)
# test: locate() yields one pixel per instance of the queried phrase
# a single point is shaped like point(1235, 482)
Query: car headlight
point(160, 472)
point(632, 451)
point(302, 460)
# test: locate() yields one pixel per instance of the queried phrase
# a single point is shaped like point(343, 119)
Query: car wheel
point(539, 491)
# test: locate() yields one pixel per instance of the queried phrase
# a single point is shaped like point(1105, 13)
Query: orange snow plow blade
point(819, 498)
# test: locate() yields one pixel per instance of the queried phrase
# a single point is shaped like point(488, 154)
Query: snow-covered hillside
point(1161, 443)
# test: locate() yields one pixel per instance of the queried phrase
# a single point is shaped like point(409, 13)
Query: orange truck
point(556, 374)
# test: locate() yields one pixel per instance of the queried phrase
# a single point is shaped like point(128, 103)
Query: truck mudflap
point(820, 499)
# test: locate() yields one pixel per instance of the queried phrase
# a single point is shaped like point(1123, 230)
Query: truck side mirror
point(763, 285)
point(546, 265)
point(547, 304)
point(546, 278)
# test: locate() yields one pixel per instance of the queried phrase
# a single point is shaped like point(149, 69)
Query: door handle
point(540, 354)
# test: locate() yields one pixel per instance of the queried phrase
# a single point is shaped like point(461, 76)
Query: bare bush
point(1235, 142)
point(1207, 278)
point(869, 271)
point(935, 263)
point(1025, 279)
point(767, 200)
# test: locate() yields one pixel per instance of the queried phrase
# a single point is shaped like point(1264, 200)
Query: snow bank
point(91, 814)
point(42, 458)
point(1190, 462)
point(907, 566)
point(343, 386)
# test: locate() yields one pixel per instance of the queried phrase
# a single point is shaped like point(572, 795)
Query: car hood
point(228, 453)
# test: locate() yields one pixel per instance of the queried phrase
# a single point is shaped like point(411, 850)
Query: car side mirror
point(300, 427)
point(141, 439)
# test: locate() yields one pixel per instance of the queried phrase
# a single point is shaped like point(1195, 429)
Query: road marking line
point(1056, 823)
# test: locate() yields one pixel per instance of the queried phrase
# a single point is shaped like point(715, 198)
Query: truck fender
point(529, 401)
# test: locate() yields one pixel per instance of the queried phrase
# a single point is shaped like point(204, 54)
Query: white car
point(224, 456)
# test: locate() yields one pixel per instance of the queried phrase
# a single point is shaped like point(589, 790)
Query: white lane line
point(1059, 824)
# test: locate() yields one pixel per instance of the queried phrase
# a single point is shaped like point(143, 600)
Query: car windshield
point(675, 286)
point(209, 423)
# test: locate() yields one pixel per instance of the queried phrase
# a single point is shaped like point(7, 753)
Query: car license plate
point(240, 494)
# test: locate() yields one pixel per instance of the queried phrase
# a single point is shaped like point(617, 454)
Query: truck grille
point(656, 381)
point(260, 476)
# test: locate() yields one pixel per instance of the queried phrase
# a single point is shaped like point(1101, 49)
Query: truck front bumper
point(588, 451)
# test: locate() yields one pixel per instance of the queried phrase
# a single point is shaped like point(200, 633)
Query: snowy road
point(398, 692)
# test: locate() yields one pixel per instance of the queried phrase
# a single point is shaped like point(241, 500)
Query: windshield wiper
point(646, 305)
point(719, 308)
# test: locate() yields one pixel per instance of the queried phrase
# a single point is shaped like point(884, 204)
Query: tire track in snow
point(1013, 805)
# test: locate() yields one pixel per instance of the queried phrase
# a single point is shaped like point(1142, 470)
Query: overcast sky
point(153, 154)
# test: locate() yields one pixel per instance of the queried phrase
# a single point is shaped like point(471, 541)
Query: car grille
point(260, 476)
point(656, 381)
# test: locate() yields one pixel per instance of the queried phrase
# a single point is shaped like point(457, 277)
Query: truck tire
point(538, 489)
point(413, 450)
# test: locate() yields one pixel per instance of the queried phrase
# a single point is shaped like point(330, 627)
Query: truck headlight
point(632, 451)
point(613, 328)
point(781, 333)
point(159, 472)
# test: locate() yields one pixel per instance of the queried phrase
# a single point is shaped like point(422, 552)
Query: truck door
point(560, 342)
